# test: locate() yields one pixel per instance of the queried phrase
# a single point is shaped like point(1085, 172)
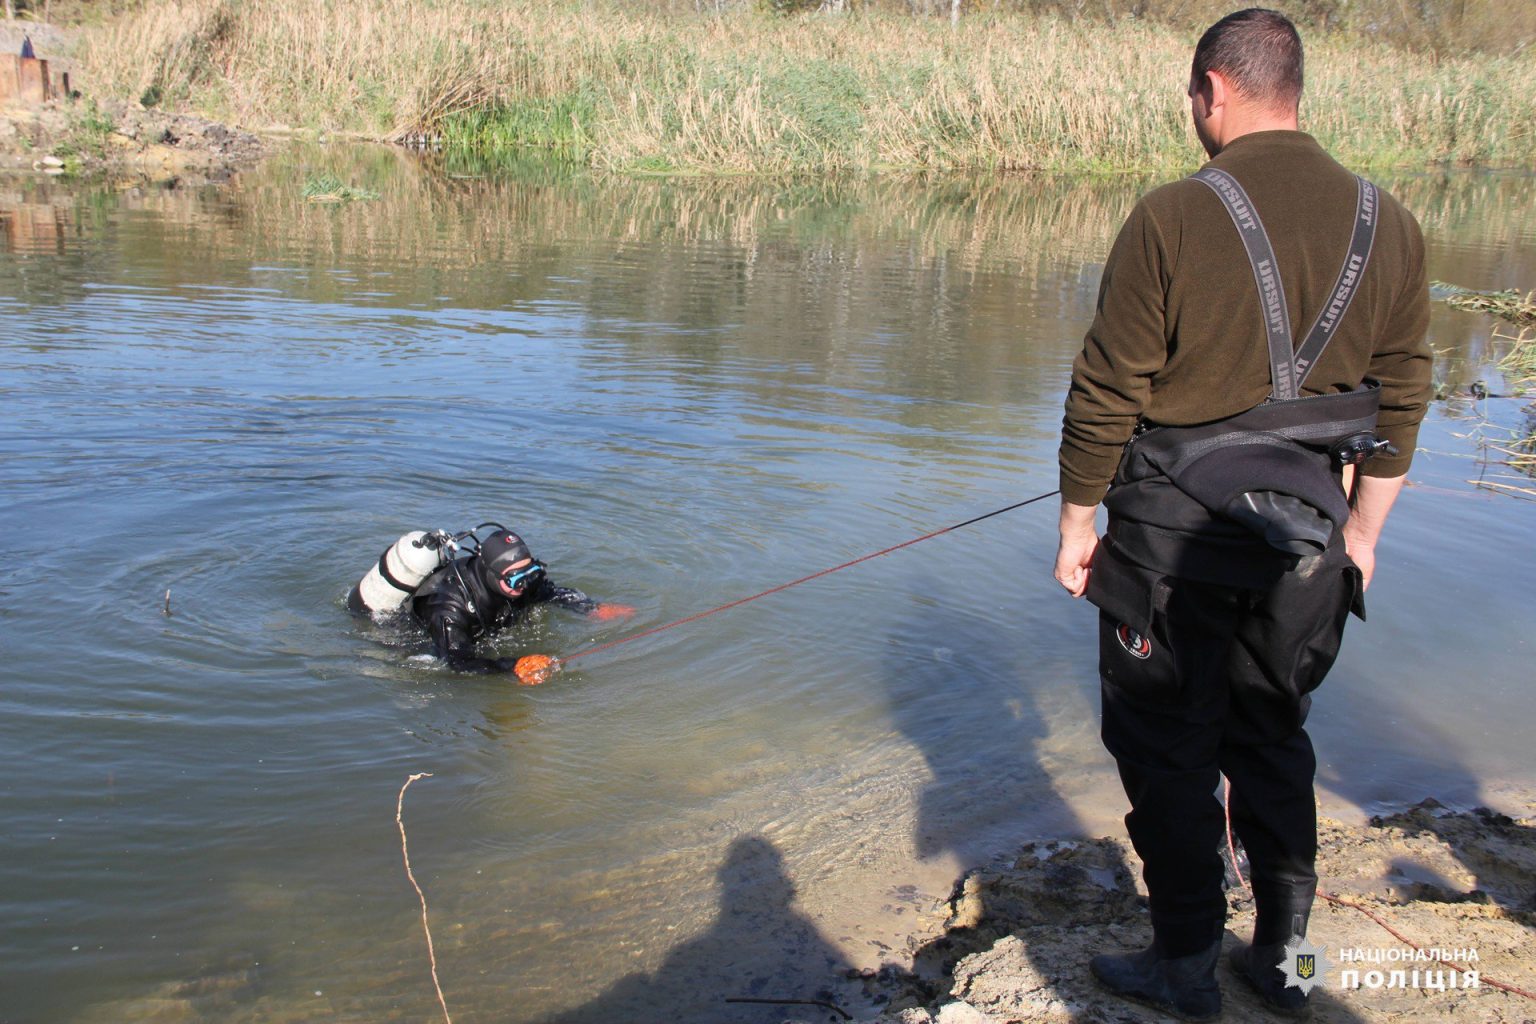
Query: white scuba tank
point(399, 571)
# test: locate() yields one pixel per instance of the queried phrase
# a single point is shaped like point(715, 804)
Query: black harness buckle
point(1357, 448)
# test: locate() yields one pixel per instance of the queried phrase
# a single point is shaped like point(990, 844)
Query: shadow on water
point(955, 693)
point(958, 692)
point(759, 948)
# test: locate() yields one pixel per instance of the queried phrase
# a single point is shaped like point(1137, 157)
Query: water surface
point(220, 404)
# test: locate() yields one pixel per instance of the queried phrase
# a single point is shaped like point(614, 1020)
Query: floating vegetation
point(326, 189)
point(1509, 305)
point(1518, 367)
point(1520, 364)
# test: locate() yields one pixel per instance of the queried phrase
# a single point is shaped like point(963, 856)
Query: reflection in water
point(694, 255)
point(685, 392)
point(33, 228)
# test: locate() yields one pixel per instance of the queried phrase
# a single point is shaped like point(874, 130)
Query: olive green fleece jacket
point(1178, 338)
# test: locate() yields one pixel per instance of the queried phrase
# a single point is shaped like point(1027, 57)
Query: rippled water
point(221, 404)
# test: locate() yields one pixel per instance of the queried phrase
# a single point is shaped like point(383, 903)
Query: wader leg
point(1284, 648)
point(1274, 814)
point(1165, 706)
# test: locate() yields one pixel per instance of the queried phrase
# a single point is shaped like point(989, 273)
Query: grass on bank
point(626, 87)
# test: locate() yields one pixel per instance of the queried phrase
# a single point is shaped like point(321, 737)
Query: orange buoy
point(533, 669)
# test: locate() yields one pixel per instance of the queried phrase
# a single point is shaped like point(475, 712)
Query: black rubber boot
point(1281, 911)
point(1183, 986)
point(1259, 966)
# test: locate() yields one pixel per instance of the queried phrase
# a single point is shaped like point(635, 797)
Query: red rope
point(803, 579)
point(1338, 901)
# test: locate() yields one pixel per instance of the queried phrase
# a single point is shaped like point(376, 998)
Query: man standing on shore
point(1232, 556)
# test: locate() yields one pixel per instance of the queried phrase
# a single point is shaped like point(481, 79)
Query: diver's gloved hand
point(609, 612)
point(533, 669)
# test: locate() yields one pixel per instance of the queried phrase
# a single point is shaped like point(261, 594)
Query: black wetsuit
point(457, 608)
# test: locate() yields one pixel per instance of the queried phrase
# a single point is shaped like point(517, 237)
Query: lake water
point(220, 404)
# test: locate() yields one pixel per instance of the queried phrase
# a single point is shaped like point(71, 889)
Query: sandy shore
point(1015, 943)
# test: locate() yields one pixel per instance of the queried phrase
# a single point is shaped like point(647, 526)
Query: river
point(221, 403)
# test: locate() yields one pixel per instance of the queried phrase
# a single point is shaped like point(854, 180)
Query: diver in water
point(460, 600)
point(472, 597)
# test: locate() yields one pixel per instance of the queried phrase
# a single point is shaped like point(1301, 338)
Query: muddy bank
point(1013, 942)
point(73, 137)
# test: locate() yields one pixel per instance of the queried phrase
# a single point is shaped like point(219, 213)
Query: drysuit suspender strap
point(1289, 364)
point(1266, 274)
point(1346, 286)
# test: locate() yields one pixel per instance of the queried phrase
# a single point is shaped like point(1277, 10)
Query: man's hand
point(609, 612)
point(1373, 500)
point(1363, 555)
point(1079, 542)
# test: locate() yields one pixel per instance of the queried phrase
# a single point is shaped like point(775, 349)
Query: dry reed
point(635, 90)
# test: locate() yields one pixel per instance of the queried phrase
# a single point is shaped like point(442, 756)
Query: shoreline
point(86, 142)
point(1011, 944)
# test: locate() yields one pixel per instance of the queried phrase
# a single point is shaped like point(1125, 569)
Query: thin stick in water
point(406, 855)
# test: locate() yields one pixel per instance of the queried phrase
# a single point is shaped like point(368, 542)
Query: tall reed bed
point(617, 88)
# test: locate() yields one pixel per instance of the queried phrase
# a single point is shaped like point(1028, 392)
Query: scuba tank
point(400, 570)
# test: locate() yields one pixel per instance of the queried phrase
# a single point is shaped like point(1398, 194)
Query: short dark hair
point(1259, 53)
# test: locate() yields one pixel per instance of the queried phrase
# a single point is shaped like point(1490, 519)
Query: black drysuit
point(458, 608)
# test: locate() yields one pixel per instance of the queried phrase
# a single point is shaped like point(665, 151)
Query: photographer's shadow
point(760, 962)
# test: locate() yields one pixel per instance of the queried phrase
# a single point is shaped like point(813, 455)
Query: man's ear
point(1215, 90)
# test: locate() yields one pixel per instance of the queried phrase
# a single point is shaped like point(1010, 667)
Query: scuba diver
point(462, 599)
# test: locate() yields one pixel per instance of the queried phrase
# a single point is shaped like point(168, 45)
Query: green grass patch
point(86, 139)
point(822, 104)
point(557, 125)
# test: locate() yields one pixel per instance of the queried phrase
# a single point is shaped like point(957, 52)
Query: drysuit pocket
point(1126, 592)
point(1135, 661)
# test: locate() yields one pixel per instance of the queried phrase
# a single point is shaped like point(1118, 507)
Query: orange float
point(533, 669)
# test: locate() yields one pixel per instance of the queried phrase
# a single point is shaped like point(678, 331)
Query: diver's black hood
point(498, 553)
